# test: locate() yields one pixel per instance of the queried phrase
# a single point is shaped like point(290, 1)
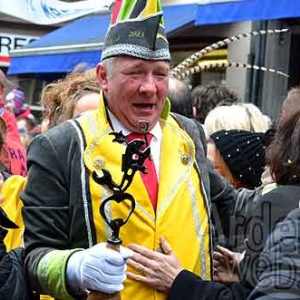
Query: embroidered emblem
point(99, 163)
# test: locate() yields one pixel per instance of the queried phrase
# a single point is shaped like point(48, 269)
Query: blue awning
point(243, 10)
point(53, 63)
point(81, 42)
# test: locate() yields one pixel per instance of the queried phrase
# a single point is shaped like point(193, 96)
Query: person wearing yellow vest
point(65, 234)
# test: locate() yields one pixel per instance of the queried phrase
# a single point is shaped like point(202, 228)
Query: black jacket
point(271, 209)
point(13, 283)
point(279, 264)
point(190, 286)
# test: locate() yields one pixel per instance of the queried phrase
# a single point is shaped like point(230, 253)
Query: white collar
point(118, 126)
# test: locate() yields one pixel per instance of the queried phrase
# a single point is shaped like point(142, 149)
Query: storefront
point(189, 27)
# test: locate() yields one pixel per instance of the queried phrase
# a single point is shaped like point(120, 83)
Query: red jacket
point(11, 125)
point(13, 158)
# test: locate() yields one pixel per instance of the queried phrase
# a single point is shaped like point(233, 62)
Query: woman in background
point(243, 116)
point(67, 98)
point(239, 156)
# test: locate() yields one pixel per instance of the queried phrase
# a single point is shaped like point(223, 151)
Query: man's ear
point(102, 77)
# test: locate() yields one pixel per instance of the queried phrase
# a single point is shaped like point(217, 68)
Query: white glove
point(98, 268)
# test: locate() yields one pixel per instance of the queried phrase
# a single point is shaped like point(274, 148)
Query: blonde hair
point(243, 116)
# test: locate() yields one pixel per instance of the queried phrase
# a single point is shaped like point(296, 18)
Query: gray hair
point(109, 65)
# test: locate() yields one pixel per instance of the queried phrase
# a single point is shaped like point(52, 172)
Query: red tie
point(149, 179)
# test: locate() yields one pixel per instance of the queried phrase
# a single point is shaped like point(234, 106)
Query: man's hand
point(97, 268)
point(226, 265)
point(158, 270)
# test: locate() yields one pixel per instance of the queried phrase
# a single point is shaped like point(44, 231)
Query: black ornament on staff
point(137, 151)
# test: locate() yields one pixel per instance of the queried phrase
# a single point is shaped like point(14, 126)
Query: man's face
point(135, 89)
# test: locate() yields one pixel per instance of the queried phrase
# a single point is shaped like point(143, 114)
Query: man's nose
point(148, 85)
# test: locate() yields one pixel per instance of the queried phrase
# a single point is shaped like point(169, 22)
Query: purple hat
point(16, 98)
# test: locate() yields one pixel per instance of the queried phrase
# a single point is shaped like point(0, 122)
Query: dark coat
point(271, 209)
point(279, 264)
point(190, 286)
point(13, 283)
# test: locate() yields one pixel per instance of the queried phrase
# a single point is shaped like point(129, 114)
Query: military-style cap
point(137, 29)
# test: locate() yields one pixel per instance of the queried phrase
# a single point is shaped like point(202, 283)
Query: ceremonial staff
point(137, 151)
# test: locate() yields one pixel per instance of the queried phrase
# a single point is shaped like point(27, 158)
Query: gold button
point(185, 159)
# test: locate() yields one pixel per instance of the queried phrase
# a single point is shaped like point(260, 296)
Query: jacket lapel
point(177, 159)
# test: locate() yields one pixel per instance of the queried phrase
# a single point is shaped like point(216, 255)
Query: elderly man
point(64, 232)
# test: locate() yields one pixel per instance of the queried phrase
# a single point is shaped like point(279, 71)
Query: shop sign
point(10, 42)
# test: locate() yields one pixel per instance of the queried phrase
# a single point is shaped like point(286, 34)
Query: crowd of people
point(205, 185)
